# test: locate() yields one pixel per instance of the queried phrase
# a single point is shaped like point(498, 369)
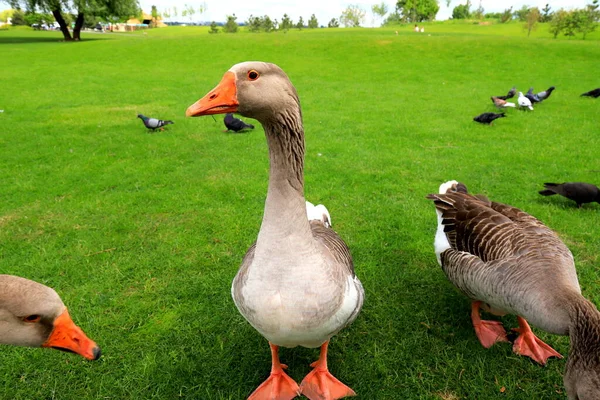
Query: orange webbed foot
point(527, 344)
point(319, 384)
point(278, 386)
point(488, 332)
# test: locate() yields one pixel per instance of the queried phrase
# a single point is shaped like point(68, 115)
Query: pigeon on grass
point(488, 118)
point(579, 192)
point(592, 93)
point(235, 124)
point(153, 123)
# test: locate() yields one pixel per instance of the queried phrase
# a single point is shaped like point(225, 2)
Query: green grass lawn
point(143, 233)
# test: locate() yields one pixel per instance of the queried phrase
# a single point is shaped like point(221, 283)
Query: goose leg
point(319, 384)
point(278, 386)
point(488, 332)
point(527, 344)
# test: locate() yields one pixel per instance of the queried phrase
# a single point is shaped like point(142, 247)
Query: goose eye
point(252, 75)
point(32, 318)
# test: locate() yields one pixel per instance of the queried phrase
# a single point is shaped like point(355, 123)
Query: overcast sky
point(324, 10)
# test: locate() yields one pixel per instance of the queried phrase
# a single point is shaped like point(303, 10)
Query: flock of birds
point(297, 285)
point(524, 101)
point(231, 123)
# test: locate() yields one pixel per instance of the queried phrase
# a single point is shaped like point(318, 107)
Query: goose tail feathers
point(318, 213)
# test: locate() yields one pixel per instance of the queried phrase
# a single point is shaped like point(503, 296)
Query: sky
point(325, 10)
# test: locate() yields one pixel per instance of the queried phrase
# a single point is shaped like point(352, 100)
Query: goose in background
point(296, 285)
point(33, 315)
point(508, 262)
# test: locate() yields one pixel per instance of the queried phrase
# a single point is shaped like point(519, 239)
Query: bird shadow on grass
point(26, 40)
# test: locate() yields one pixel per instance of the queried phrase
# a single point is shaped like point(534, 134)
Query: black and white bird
point(235, 124)
point(592, 93)
point(545, 94)
point(524, 101)
point(579, 192)
point(511, 93)
point(153, 123)
point(488, 118)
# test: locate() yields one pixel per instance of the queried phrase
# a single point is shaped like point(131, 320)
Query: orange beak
point(222, 99)
point(67, 336)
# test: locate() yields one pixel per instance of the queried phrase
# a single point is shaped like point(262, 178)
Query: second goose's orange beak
point(222, 99)
point(67, 336)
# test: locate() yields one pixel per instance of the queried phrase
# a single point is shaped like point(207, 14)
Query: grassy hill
point(142, 233)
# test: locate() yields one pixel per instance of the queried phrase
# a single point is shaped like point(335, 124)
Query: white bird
point(524, 101)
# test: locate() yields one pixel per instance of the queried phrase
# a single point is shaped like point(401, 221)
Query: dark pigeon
point(153, 123)
point(488, 118)
point(545, 94)
point(592, 93)
point(579, 192)
point(234, 124)
point(511, 93)
point(532, 96)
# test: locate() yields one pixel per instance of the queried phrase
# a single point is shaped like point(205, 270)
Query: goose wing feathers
point(500, 254)
point(334, 246)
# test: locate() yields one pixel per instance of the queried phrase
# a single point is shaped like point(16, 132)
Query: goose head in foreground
point(33, 315)
point(296, 284)
point(508, 262)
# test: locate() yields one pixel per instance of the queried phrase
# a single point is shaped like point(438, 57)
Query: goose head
point(33, 315)
point(253, 89)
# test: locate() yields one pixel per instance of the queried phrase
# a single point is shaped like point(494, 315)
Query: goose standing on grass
point(33, 315)
point(507, 261)
point(296, 285)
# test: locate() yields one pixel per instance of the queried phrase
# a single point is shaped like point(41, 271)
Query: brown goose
point(507, 261)
point(33, 315)
point(296, 285)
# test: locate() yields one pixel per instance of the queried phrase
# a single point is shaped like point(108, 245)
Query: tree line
point(568, 22)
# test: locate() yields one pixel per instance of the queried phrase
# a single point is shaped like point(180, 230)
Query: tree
point(417, 10)
point(18, 17)
point(521, 14)
point(286, 23)
point(231, 26)
point(571, 23)
point(312, 22)
point(588, 17)
point(379, 10)
point(6, 14)
point(174, 12)
point(393, 19)
point(558, 22)
point(333, 23)
point(479, 12)
point(38, 18)
point(462, 11)
point(506, 15)
point(352, 16)
point(253, 23)
point(213, 28)
point(188, 11)
point(547, 15)
point(532, 18)
point(166, 13)
point(105, 9)
point(267, 24)
point(300, 24)
point(155, 16)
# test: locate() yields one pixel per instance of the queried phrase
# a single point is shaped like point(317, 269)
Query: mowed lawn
point(143, 233)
